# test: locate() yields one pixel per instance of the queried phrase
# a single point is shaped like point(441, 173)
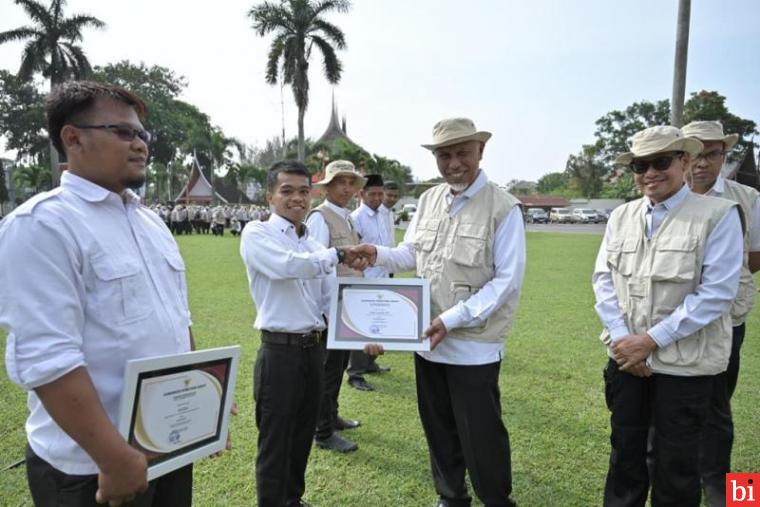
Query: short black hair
point(287, 167)
point(73, 98)
point(391, 185)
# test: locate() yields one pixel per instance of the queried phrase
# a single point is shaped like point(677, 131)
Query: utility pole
point(679, 68)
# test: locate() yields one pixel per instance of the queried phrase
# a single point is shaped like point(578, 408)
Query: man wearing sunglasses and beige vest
point(468, 239)
point(704, 177)
point(666, 275)
point(330, 224)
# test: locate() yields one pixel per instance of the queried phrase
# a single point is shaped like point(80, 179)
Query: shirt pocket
point(675, 259)
point(120, 290)
point(621, 254)
point(178, 285)
point(426, 234)
point(469, 247)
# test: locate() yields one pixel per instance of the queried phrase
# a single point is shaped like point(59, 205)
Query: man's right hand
point(363, 254)
point(123, 479)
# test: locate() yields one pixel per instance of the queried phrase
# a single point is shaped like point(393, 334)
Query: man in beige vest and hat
point(704, 177)
point(330, 224)
point(468, 239)
point(665, 277)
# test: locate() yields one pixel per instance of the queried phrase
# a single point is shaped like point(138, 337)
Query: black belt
point(303, 340)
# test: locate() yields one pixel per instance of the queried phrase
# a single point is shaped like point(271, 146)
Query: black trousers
point(718, 436)
point(287, 388)
point(52, 488)
point(677, 408)
point(335, 362)
point(360, 363)
point(460, 409)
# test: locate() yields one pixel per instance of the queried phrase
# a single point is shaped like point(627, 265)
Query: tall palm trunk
point(301, 146)
point(679, 70)
point(55, 173)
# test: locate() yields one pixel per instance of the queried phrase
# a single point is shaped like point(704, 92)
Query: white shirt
point(93, 282)
point(718, 189)
point(373, 229)
point(318, 226)
point(290, 277)
point(712, 298)
point(390, 219)
point(509, 267)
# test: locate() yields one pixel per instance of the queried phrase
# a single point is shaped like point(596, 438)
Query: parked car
point(536, 216)
point(410, 209)
point(604, 215)
point(560, 216)
point(585, 216)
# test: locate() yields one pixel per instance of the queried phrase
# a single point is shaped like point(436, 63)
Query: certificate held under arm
point(391, 311)
point(175, 409)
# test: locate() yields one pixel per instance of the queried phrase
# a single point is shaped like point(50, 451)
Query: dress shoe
point(335, 442)
point(360, 384)
point(379, 368)
point(715, 496)
point(345, 424)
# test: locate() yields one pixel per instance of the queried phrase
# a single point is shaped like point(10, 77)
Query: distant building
point(198, 190)
point(545, 202)
point(745, 170)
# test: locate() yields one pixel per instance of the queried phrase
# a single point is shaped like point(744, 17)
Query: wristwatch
point(341, 255)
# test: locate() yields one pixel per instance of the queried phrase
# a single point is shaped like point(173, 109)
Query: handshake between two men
point(360, 257)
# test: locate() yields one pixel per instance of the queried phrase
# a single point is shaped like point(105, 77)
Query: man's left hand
point(436, 332)
point(633, 349)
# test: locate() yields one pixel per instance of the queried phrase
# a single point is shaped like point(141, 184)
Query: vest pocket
point(621, 255)
point(684, 352)
point(675, 259)
point(425, 235)
point(469, 245)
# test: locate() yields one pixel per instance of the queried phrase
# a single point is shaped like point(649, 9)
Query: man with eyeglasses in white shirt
point(666, 274)
point(96, 280)
point(704, 177)
point(290, 277)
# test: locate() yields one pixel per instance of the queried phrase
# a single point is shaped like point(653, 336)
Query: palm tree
point(298, 27)
point(51, 47)
point(31, 179)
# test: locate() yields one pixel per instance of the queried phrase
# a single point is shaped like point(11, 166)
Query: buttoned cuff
point(451, 318)
point(618, 332)
point(662, 335)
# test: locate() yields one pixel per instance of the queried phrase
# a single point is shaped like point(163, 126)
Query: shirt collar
point(92, 192)
point(286, 226)
point(368, 210)
point(344, 212)
point(673, 201)
point(719, 187)
point(384, 209)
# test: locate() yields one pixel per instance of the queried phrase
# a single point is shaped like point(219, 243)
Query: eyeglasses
point(711, 156)
point(661, 163)
point(123, 132)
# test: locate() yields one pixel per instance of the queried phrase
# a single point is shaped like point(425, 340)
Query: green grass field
point(551, 388)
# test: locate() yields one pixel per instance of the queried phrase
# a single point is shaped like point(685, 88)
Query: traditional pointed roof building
point(335, 131)
point(198, 190)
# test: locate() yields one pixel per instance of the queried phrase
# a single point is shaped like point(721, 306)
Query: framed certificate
point(391, 311)
point(175, 409)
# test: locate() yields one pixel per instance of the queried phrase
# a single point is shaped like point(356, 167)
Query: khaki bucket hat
point(659, 139)
point(341, 167)
point(710, 131)
point(455, 131)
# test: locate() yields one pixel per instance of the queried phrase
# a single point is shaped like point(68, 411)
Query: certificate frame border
point(423, 345)
point(137, 367)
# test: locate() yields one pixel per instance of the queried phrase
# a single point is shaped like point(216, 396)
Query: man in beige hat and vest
point(468, 239)
point(330, 224)
point(665, 277)
point(704, 177)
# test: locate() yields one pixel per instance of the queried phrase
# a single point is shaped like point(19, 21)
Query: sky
point(536, 74)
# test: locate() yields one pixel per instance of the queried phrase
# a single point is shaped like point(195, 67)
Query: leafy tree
point(31, 179)
point(620, 186)
point(707, 105)
point(551, 182)
point(22, 119)
point(586, 171)
point(3, 189)
point(615, 128)
point(51, 47)
point(298, 26)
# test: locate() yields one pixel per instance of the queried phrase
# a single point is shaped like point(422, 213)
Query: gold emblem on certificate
point(390, 311)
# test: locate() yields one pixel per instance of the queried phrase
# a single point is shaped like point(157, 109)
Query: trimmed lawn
point(552, 395)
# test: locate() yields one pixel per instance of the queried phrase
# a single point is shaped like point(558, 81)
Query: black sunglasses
point(660, 163)
point(123, 132)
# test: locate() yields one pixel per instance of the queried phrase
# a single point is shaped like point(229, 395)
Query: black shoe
point(345, 424)
point(335, 442)
point(715, 495)
point(360, 384)
point(379, 368)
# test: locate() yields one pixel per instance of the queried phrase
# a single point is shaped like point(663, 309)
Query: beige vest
point(653, 276)
point(745, 298)
point(456, 253)
point(341, 234)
